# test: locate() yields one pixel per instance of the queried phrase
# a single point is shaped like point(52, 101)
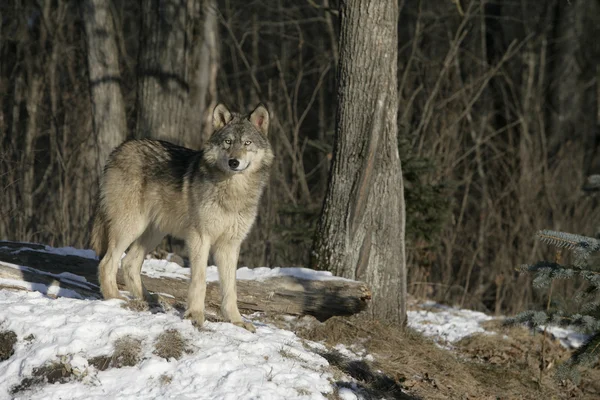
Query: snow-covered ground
point(446, 323)
point(226, 362)
point(223, 361)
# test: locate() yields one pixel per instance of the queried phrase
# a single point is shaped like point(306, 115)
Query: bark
point(176, 69)
point(27, 265)
point(108, 109)
point(360, 234)
point(205, 62)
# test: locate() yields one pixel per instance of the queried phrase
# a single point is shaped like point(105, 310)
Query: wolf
point(209, 198)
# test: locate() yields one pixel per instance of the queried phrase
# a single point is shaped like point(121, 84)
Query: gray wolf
point(209, 198)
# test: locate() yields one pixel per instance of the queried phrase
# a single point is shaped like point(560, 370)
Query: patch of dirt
point(501, 366)
point(56, 372)
point(534, 357)
point(8, 339)
point(101, 363)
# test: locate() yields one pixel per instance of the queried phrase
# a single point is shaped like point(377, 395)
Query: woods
point(497, 125)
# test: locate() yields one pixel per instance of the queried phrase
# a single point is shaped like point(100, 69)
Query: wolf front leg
point(198, 248)
point(226, 256)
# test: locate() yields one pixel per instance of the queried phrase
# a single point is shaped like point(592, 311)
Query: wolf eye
point(228, 141)
point(247, 142)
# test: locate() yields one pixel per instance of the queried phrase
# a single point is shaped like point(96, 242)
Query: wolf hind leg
point(226, 257)
point(133, 261)
point(121, 234)
point(107, 270)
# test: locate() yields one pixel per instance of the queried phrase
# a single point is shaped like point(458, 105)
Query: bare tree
point(176, 70)
point(360, 234)
point(108, 109)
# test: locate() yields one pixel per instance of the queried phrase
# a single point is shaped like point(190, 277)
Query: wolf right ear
point(221, 116)
point(260, 118)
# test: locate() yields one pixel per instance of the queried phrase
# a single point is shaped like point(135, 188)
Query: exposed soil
point(8, 339)
point(504, 365)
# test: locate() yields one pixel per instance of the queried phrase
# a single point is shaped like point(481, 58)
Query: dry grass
point(8, 339)
point(170, 344)
point(303, 392)
point(136, 305)
point(483, 366)
point(127, 352)
point(286, 353)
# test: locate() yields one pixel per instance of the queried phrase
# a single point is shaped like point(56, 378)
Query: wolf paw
point(107, 295)
point(246, 325)
point(197, 317)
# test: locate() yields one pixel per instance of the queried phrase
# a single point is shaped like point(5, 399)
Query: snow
point(446, 323)
point(569, 338)
point(166, 269)
point(226, 361)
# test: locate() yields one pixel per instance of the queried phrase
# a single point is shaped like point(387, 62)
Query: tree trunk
point(360, 234)
point(176, 69)
point(108, 109)
point(204, 67)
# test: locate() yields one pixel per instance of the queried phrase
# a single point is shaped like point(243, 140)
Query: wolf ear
point(260, 118)
point(221, 116)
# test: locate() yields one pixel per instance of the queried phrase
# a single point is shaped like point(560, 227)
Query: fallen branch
point(36, 268)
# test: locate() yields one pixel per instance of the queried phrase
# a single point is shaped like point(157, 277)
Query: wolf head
point(239, 143)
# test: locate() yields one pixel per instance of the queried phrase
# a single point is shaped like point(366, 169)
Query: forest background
point(498, 123)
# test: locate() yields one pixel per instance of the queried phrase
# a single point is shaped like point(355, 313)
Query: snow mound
point(167, 269)
point(446, 323)
point(225, 361)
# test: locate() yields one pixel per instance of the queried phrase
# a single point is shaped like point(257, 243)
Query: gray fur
point(152, 188)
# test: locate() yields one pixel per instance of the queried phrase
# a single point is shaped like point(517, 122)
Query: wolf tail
point(99, 237)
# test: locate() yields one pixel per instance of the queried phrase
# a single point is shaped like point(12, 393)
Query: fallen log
point(31, 266)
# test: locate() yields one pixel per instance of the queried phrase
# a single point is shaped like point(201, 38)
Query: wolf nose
point(233, 163)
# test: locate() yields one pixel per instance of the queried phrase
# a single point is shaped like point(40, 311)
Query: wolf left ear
point(221, 116)
point(260, 118)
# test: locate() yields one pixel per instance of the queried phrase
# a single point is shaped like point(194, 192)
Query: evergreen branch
point(557, 271)
point(534, 319)
point(588, 320)
point(583, 323)
point(531, 318)
point(588, 353)
point(569, 240)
